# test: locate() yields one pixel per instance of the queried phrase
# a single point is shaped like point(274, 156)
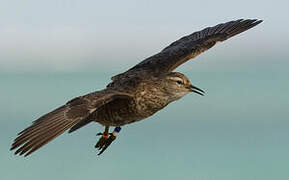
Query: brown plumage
point(133, 95)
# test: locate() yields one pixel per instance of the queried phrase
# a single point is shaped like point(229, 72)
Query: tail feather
point(79, 125)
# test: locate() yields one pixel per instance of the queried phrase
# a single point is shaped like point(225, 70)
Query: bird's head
point(177, 85)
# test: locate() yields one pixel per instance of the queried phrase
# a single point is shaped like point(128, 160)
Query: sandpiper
point(131, 96)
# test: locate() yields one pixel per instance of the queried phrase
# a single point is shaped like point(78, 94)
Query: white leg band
point(114, 133)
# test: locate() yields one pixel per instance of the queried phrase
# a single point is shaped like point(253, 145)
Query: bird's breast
point(150, 101)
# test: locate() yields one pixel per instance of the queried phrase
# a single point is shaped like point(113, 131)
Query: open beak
point(196, 90)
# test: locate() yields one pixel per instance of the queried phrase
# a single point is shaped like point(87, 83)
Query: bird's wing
point(58, 121)
point(192, 45)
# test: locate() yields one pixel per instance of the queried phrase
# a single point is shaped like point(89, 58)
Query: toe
point(101, 141)
point(106, 144)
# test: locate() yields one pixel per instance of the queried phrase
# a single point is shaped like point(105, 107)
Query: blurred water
point(239, 130)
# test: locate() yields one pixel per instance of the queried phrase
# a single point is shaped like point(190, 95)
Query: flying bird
point(131, 96)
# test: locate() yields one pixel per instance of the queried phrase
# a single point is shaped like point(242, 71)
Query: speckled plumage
point(133, 95)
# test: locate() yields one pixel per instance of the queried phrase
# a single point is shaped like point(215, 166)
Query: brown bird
point(131, 96)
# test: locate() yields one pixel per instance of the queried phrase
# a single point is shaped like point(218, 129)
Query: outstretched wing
point(58, 121)
point(192, 45)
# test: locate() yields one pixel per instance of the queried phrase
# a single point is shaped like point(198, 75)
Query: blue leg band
point(116, 131)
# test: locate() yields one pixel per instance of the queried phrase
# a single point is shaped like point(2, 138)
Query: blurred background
point(52, 51)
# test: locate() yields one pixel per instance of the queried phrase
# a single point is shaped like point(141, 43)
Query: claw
point(101, 141)
point(106, 140)
point(106, 144)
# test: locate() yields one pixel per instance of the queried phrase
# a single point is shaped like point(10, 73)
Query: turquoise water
point(239, 130)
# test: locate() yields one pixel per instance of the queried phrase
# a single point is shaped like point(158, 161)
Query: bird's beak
point(196, 90)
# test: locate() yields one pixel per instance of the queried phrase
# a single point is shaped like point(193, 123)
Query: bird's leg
point(103, 138)
point(106, 139)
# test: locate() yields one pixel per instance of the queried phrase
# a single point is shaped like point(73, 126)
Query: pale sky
point(237, 131)
point(71, 35)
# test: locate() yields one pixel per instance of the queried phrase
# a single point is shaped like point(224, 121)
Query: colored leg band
point(116, 131)
point(105, 135)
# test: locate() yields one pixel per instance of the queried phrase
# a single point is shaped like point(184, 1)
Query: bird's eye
point(179, 82)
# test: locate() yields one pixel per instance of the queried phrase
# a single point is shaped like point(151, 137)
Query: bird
point(131, 96)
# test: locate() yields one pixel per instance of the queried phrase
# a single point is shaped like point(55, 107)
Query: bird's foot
point(106, 139)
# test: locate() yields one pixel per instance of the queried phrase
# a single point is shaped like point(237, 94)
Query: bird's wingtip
point(257, 20)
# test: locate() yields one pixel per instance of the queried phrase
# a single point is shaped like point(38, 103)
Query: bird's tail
point(42, 131)
point(79, 125)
